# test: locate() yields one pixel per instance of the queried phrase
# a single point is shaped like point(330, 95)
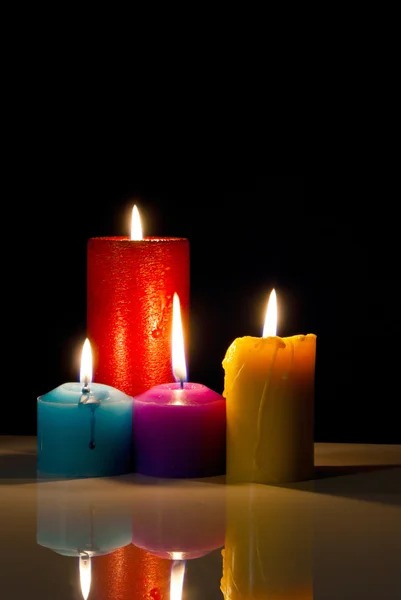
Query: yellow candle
point(269, 391)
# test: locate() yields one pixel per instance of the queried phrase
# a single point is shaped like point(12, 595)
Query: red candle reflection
point(130, 572)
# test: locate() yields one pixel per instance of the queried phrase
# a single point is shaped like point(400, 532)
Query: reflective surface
point(137, 538)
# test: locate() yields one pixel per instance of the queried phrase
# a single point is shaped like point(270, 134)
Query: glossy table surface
point(337, 537)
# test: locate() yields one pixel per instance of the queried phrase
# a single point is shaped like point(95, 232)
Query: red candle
point(131, 282)
point(179, 429)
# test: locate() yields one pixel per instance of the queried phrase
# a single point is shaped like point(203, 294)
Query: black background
point(333, 264)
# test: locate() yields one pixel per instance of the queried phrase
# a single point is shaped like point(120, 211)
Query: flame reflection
point(177, 579)
point(85, 574)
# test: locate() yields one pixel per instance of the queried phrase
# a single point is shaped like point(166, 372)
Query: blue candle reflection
point(78, 518)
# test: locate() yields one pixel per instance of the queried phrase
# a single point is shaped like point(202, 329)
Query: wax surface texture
point(84, 440)
point(130, 288)
point(179, 432)
point(269, 390)
point(131, 573)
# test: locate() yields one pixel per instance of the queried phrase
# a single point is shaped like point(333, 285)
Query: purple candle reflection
point(179, 429)
point(179, 520)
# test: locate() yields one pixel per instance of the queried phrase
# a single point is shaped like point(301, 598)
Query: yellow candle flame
point(86, 364)
point(177, 579)
point(85, 575)
point(270, 326)
point(136, 227)
point(178, 352)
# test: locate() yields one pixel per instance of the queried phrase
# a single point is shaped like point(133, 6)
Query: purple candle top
point(186, 394)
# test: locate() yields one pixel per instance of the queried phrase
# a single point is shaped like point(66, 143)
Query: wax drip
point(263, 400)
point(261, 409)
point(93, 402)
point(291, 344)
point(92, 443)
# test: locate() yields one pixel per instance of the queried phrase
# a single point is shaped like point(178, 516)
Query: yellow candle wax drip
point(269, 391)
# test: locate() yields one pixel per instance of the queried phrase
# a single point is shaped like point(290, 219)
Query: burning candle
point(130, 287)
point(179, 429)
point(269, 390)
point(84, 429)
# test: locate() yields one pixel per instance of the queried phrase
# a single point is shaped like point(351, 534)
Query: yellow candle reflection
point(268, 546)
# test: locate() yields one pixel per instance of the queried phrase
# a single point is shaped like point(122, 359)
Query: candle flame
point(86, 364)
point(177, 579)
point(85, 574)
point(270, 327)
point(136, 227)
point(178, 352)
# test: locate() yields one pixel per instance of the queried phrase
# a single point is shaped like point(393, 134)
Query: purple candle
point(179, 429)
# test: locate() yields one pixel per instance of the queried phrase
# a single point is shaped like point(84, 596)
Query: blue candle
point(84, 429)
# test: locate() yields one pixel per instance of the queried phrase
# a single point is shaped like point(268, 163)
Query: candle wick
point(182, 384)
point(85, 388)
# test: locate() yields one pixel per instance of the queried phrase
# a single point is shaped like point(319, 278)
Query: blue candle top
point(71, 393)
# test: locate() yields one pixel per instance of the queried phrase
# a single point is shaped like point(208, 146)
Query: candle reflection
point(177, 579)
point(178, 521)
point(85, 574)
point(78, 519)
point(268, 545)
point(131, 573)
